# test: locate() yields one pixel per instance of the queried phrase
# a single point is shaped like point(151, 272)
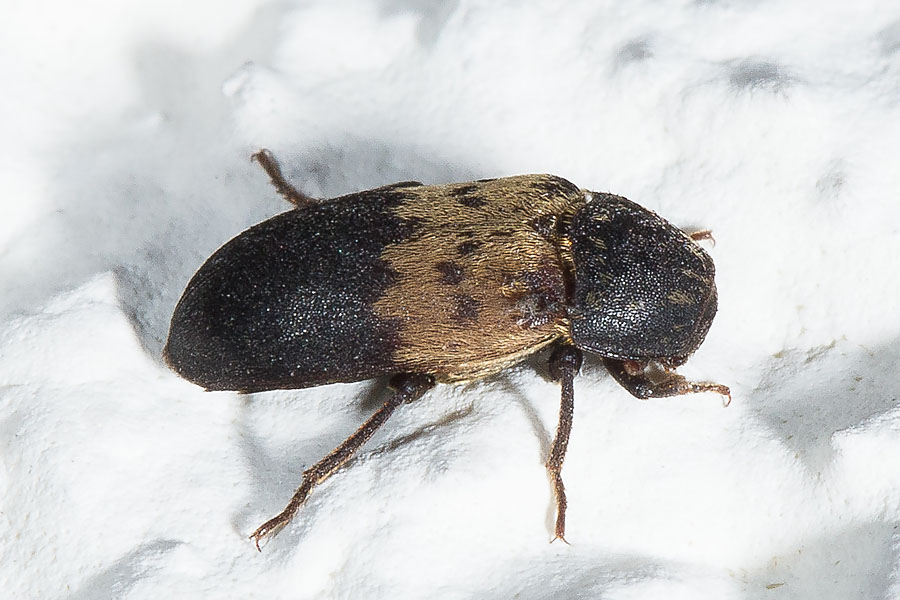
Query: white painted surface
point(127, 129)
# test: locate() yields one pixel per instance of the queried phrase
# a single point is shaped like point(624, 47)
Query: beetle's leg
point(270, 165)
point(408, 387)
point(644, 382)
point(564, 364)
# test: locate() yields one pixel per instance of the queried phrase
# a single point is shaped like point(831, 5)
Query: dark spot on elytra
point(544, 282)
point(501, 233)
point(464, 189)
point(382, 274)
point(542, 297)
point(451, 273)
point(408, 229)
point(556, 186)
point(545, 226)
point(407, 184)
point(467, 248)
point(468, 195)
point(473, 201)
point(467, 307)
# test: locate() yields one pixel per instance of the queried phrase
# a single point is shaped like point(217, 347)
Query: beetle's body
point(449, 283)
point(457, 281)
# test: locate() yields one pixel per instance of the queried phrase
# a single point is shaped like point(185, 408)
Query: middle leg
point(564, 364)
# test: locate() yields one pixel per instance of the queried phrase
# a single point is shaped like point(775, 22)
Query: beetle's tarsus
point(270, 165)
point(559, 492)
point(697, 387)
point(703, 234)
point(644, 380)
point(560, 536)
point(269, 529)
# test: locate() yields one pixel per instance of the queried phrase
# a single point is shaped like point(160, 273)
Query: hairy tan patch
point(483, 284)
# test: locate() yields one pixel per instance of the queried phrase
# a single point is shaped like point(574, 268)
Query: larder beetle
point(442, 284)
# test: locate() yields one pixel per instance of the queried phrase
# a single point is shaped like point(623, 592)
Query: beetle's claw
point(726, 398)
point(267, 530)
point(718, 388)
point(257, 536)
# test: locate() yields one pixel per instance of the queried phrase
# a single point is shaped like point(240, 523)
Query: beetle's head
point(643, 288)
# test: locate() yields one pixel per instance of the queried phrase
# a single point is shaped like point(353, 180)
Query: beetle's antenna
point(270, 165)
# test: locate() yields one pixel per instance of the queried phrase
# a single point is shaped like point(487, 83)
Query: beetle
point(443, 284)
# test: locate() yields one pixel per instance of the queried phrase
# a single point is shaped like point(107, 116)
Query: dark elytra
point(447, 283)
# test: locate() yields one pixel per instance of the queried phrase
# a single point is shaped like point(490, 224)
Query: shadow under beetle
point(445, 283)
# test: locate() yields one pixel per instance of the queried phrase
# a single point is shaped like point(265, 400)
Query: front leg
point(649, 379)
point(564, 364)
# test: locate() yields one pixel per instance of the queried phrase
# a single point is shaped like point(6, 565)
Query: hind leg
point(408, 388)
